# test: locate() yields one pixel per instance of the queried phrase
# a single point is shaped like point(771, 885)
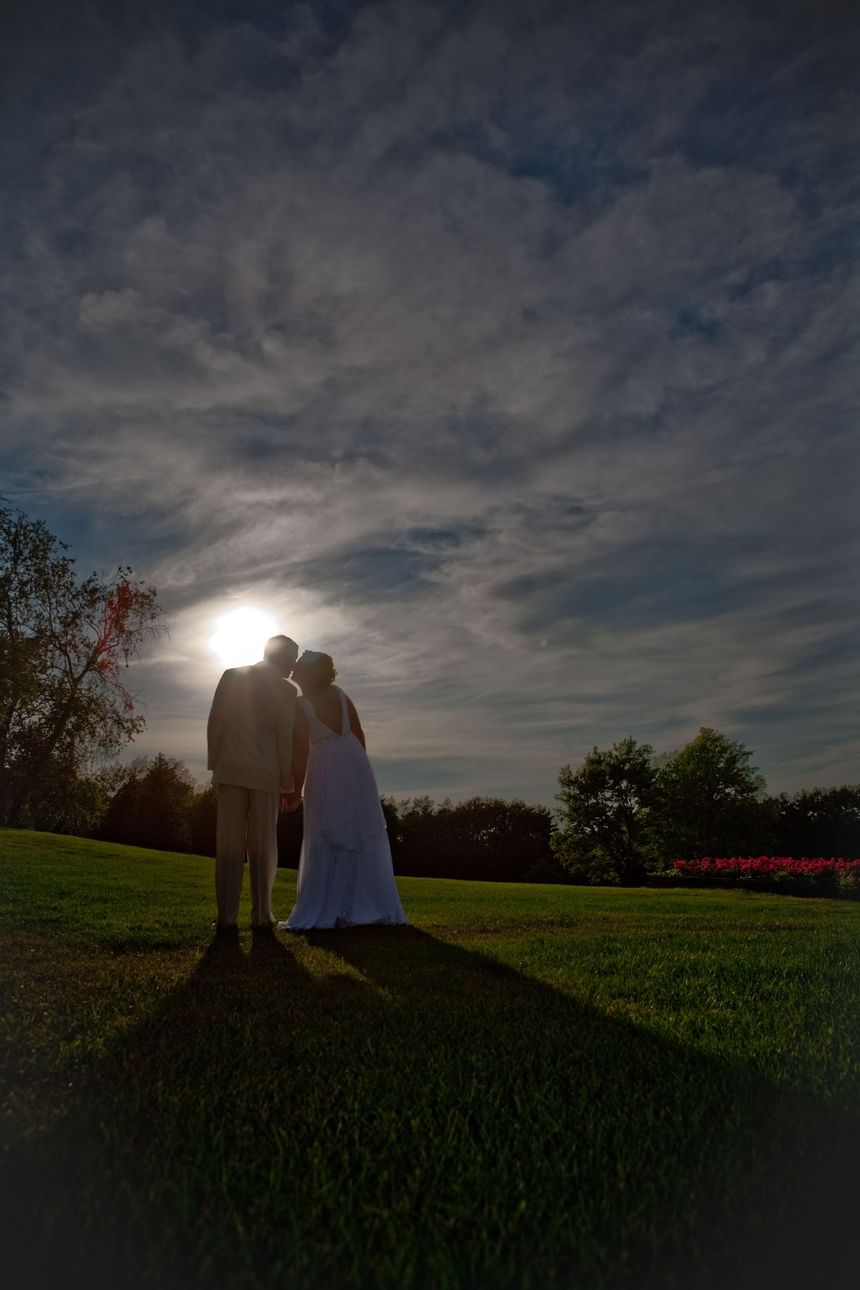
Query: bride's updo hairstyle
point(314, 671)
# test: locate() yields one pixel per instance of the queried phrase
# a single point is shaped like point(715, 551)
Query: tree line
point(624, 813)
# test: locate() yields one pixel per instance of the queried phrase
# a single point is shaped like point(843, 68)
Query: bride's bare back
point(326, 704)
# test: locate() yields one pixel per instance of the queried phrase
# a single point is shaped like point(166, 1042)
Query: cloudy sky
point(509, 352)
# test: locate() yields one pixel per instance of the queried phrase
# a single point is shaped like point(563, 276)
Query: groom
point(250, 743)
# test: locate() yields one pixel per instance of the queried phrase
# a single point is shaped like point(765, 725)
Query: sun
point(240, 635)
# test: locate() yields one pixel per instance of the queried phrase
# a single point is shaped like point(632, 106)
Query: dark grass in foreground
point(532, 1087)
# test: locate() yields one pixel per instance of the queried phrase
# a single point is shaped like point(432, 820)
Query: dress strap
point(344, 712)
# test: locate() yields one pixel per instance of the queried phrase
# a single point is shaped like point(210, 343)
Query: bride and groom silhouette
point(270, 749)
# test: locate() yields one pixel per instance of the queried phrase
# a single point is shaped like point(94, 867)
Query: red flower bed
point(820, 876)
point(767, 865)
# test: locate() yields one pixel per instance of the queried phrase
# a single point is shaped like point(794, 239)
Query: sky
point(507, 352)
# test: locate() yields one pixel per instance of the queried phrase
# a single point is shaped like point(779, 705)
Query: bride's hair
point(322, 665)
point(327, 668)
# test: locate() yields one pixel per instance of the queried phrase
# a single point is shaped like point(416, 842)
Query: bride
point(345, 872)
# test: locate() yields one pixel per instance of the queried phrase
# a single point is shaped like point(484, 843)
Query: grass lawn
point(531, 1087)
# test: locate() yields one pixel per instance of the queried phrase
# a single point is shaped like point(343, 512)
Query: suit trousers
point(247, 828)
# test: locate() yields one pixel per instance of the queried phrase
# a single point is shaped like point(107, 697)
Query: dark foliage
point(290, 838)
point(484, 838)
point(65, 642)
point(818, 822)
point(608, 814)
point(626, 814)
point(711, 801)
point(153, 808)
point(204, 815)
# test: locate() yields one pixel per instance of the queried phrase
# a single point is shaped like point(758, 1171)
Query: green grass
point(532, 1087)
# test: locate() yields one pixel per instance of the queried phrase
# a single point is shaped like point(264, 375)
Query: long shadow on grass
point(416, 1114)
point(711, 1177)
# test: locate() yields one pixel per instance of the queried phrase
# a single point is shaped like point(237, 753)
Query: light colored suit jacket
point(250, 730)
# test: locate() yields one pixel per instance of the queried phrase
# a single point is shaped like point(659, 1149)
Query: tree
point(498, 838)
point(167, 793)
point(65, 801)
point(482, 838)
point(420, 841)
point(818, 822)
point(710, 800)
point(121, 822)
point(64, 643)
point(204, 816)
point(606, 814)
point(153, 808)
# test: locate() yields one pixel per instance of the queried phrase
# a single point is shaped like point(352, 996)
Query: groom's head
point(282, 653)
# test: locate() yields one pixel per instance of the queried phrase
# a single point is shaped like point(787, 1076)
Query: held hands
point(290, 802)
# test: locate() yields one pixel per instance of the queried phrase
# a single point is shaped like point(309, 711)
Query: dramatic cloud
point(507, 352)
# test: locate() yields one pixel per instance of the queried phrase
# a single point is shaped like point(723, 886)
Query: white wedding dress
point(346, 877)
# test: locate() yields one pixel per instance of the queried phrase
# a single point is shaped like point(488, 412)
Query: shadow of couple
point(346, 1099)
